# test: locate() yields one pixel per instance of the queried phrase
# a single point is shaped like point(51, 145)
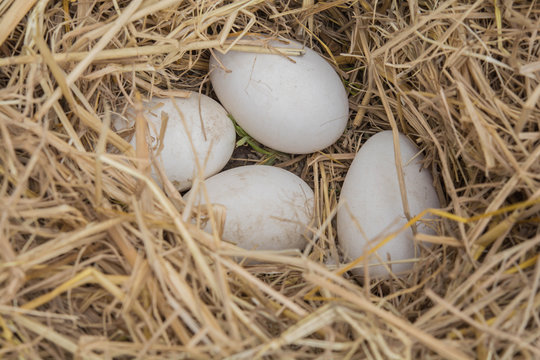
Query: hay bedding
point(98, 262)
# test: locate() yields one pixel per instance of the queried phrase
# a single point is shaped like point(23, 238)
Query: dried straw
point(97, 261)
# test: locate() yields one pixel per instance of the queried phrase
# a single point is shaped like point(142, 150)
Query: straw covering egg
point(295, 105)
point(198, 129)
point(267, 208)
point(372, 204)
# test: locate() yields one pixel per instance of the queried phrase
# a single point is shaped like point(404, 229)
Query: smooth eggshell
point(371, 196)
point(267, 208)
point(297, 108)
point(179, 161)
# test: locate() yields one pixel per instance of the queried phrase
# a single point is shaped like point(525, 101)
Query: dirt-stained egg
point(267, 208)
point(295, 104)
point(198, 129)
point(371, 205)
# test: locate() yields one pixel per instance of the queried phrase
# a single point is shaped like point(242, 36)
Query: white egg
point(371, 200)
point(267, 208)
point(210, 129)
point(295, 107)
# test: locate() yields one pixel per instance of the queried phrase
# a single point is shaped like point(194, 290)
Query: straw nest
point(97, 261)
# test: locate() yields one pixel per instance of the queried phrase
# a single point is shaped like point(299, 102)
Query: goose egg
point(267, 208)
point(371, 205)
point(296, 105)
point(197, 117)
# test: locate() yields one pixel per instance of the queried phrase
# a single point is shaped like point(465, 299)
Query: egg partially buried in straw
point(371, 204)
point(267, 208)
point(198, 129)
point(294, 104)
